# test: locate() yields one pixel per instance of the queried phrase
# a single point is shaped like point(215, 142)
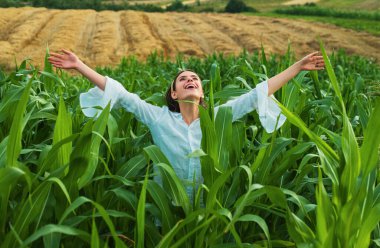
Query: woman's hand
point(67, 60)
point(312, 62)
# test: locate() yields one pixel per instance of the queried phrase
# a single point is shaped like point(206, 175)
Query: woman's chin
point(192, 97)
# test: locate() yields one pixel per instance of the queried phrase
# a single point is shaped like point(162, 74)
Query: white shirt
point(170, 132)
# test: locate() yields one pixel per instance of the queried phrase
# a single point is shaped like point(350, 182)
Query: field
point(103, 38)
point(67, 180)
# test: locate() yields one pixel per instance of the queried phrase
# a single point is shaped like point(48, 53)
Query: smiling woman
point(194, 88)
point(176, 128)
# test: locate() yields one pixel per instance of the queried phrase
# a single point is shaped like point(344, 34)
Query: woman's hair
point(173, 104)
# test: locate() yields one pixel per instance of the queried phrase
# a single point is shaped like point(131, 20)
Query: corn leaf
point(140, 217)
point(62, 130)
point(14, 140)
point(95, 243)
point(162, 201)
point(52, 229)
point(223, 129)
point(174, 187)
point(98, 127)
point(30, 210)
point(371, 141)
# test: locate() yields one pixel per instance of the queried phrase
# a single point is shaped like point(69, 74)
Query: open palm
point(67, 60)
point(312, 62)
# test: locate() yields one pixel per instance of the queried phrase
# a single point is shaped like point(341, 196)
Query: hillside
point(103, 38)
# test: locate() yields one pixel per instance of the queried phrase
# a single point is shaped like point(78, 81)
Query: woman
point(176, 128)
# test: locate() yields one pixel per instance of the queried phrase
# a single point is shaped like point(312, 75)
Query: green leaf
point(140, 216)
point(49, 78)
point(331, 74)
point(214, 81)
point(223, 128)
point(105, 215)
point(47, 65)
point(174, 187)
point(168, 238)
point(162, 201)
point(3, 152)
point(62, 130)
point(52, 240)
point(51, 229)
point(9, 176)
point(209, 143)
point(14, 140)
point(61, 186)
point(260, 221)
point(299, 231)
point(53, 153)
point(132, 167)
point(98, 127)
point(29, 212)
point(95, 243)
point(371, 141)
point(325, 215)
point(328, 156)
point(156, 155)
point(212, 198)
point(8, 101)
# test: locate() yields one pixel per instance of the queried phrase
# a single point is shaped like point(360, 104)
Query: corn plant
point(71, 181)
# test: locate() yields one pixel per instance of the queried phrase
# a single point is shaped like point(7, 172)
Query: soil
point(103, 38)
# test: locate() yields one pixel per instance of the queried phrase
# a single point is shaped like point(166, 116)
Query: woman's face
point(188, 87)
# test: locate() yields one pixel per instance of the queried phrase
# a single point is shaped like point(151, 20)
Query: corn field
point(71, 181)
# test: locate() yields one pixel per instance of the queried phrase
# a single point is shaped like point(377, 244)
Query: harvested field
point(103, 38)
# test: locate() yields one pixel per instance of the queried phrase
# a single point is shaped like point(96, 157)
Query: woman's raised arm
point(310, 62)
point(68, 60)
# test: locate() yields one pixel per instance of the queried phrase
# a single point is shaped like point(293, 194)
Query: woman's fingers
point(52, 59)
point(58, 65)
point(319, 65)
point(313, 61)
point(314, 53)
point(57, 55)
point(66, 52)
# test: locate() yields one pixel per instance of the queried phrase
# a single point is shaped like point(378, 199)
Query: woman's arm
point(310, 62)
point(101, 96)
point(68, 60)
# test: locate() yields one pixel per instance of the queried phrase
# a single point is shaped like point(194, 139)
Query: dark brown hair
point(173, 104)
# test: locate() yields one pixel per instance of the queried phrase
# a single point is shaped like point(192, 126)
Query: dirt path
point(300, 2)
point(103, 38)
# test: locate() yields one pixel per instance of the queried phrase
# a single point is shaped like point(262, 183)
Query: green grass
point(369, 5)
point(369, 26)
point(350, 5)
point(328, 12)
point(365, 20)
point(70, 181)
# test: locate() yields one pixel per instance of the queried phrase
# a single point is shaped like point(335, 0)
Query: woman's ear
point(174, 95)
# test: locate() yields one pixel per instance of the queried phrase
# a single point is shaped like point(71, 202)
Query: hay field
point(103, 38)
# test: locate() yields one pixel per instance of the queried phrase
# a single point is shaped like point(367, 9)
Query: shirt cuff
point(96, 97)
point(269, 112)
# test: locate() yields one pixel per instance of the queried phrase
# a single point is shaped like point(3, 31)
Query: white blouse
point(170, 132)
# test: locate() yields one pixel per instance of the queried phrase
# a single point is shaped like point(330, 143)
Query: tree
point(236, 6)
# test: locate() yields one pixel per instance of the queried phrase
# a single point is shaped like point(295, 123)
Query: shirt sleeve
point(257, 99)
point(115, 94)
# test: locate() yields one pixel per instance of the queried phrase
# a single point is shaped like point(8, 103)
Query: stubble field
point(103, 38)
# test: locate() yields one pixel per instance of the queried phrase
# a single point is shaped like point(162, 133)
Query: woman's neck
point(189, 112)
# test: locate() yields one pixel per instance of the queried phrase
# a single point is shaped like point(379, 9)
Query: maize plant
point(71, 181)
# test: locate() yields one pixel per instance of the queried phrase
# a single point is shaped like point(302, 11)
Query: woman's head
point(186, 86)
